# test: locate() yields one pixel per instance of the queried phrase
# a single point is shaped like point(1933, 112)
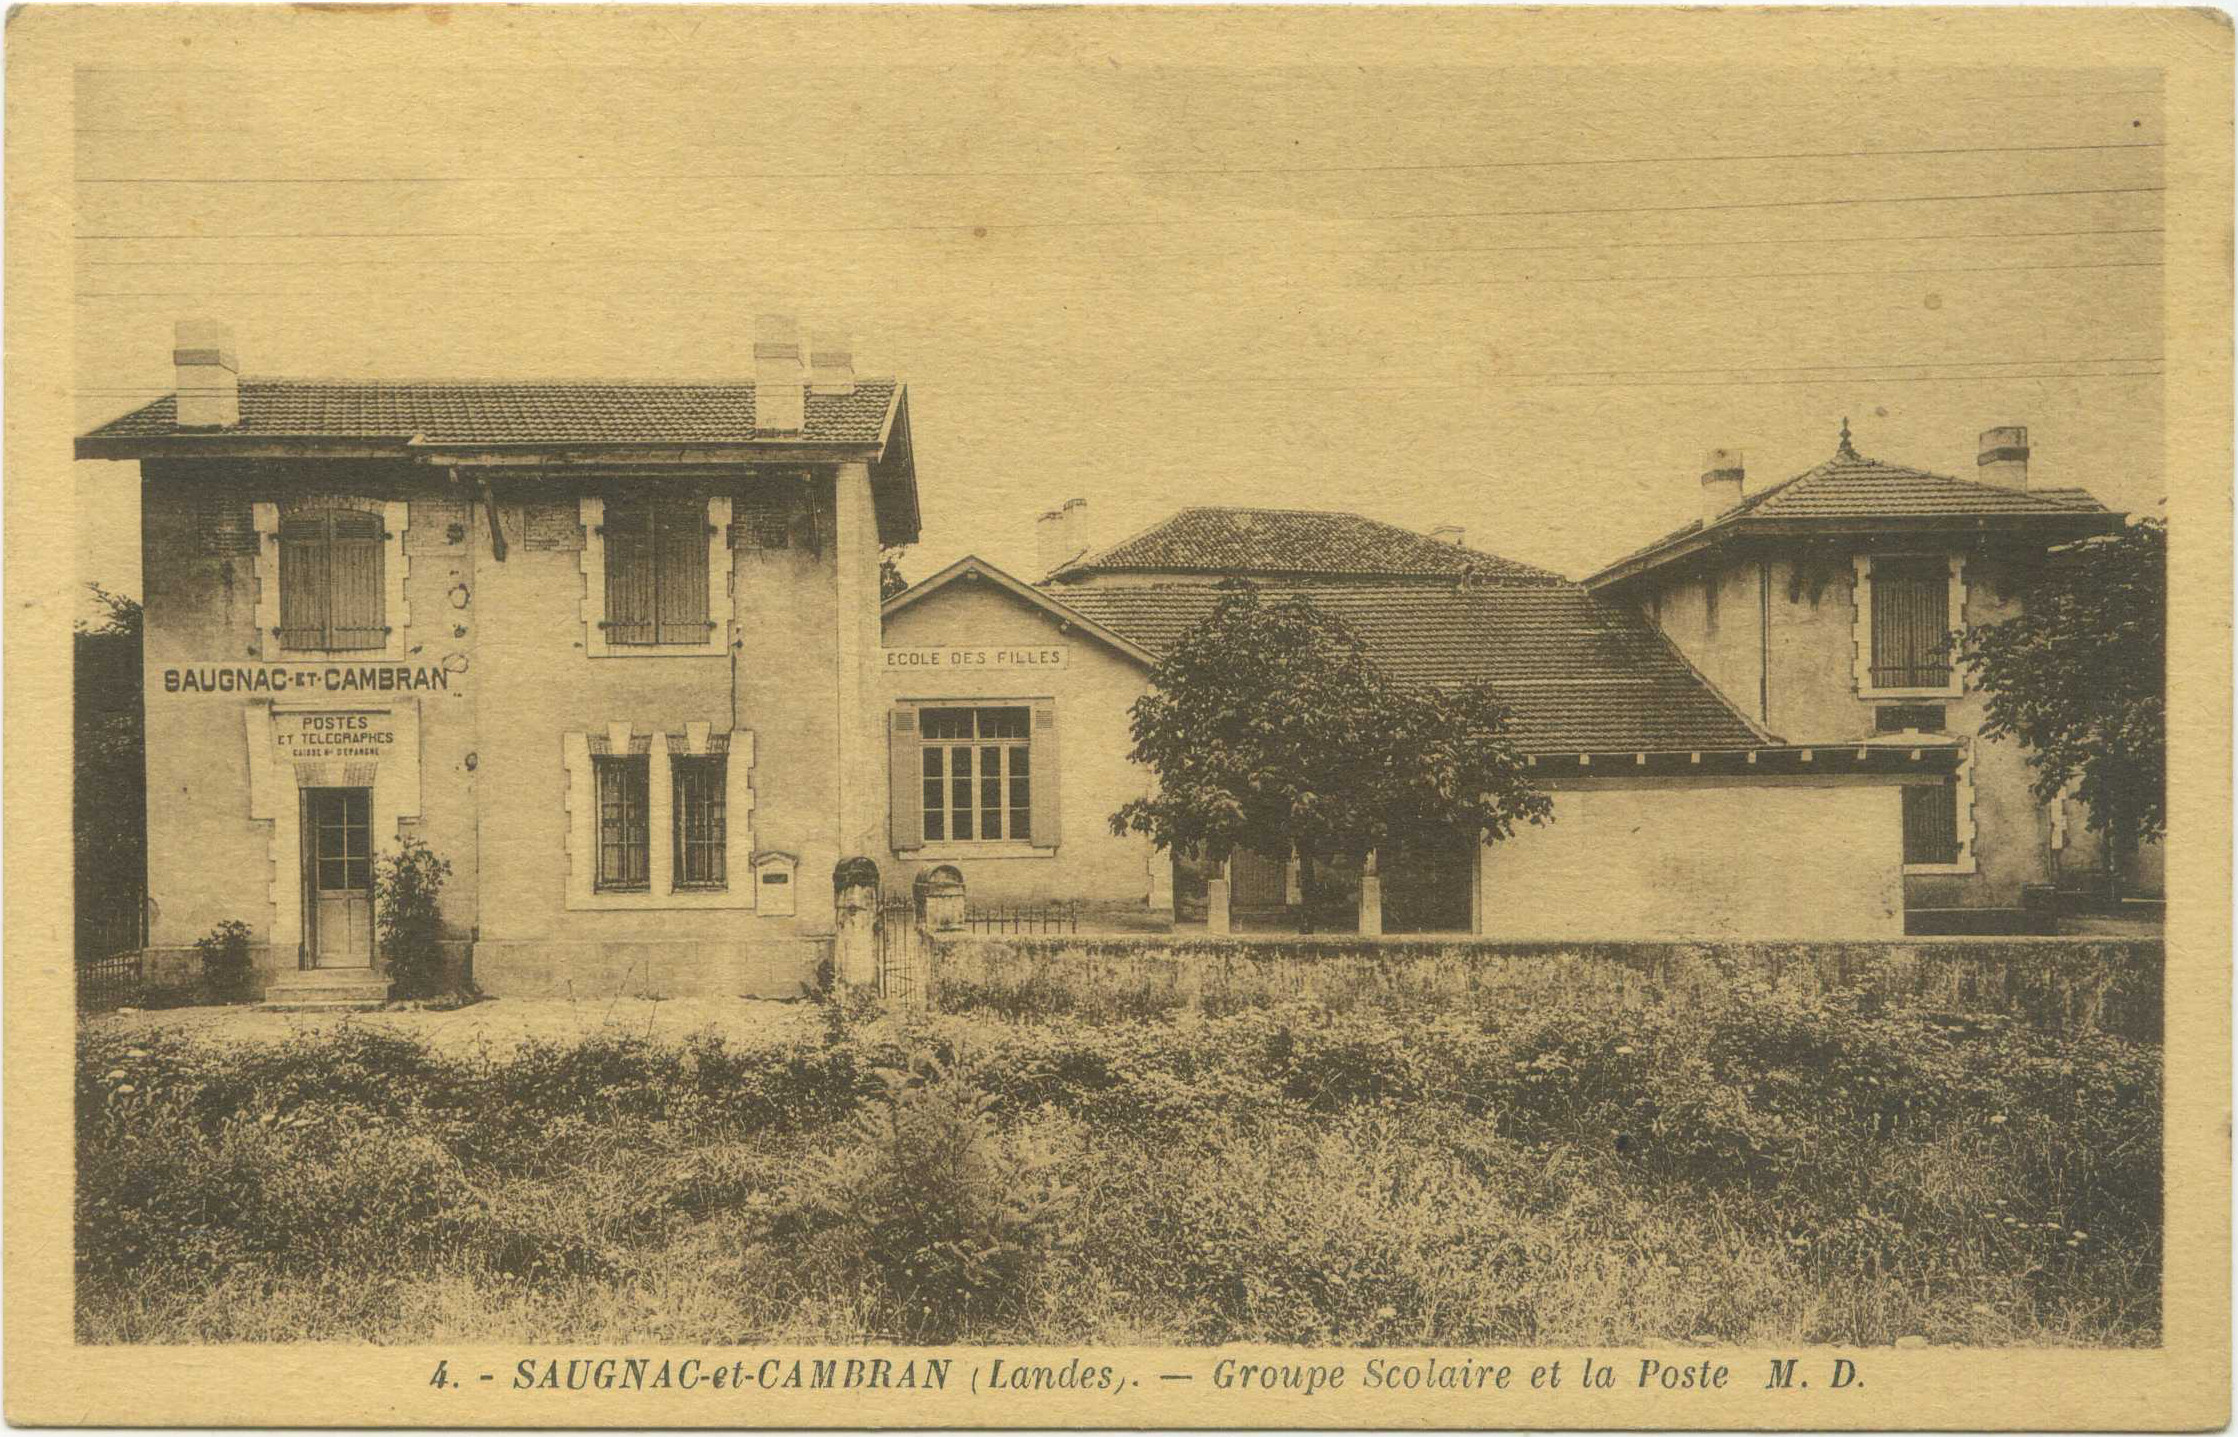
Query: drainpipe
point(1764, 642)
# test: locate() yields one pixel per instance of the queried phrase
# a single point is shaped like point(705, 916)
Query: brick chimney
point(208, 376)
point(1061, 534)
point(2004, 457)
point(780, 379)
point(831, 363)
point(1722, 478)
point(1449, 534)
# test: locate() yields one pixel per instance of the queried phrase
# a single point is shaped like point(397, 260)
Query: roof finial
point(1845, 452)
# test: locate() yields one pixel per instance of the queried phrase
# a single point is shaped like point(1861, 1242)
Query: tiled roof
point(1218, 540)
point(518, 412)
point(1580, 675)
point(1851, 487)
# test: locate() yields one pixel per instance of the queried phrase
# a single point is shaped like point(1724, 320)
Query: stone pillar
point(861, 715)
point(1161, 883)
point(1371, 899)
point(854, 950)
point(940, 899)
point(1216, 902)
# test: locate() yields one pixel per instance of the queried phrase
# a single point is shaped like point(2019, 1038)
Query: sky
point(1525, 299)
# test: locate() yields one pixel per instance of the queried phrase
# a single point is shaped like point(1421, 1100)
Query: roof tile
point(1579, 675)
point(1296, 542)
point(519, 412)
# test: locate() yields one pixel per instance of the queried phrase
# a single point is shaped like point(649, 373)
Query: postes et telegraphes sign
point(333, 735)
point(974, 657)
point(304, 679)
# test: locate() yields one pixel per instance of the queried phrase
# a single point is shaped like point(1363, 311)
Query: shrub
point(949, 1224)
point(225, 960)
point(406, 885)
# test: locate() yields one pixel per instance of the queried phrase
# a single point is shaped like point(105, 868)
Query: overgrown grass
point(1762, 1167)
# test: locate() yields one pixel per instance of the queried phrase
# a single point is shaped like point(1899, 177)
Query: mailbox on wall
point(774, 875)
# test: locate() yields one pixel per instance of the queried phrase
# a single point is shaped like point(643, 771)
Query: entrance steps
point(326, 990)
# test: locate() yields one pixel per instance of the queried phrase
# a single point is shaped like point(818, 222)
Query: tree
point(2080, 678)
point(1270, 728)
point(890, 581)
point(109, 774)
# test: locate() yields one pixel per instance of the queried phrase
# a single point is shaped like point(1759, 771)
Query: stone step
point(326, 990)
point(323, 1005)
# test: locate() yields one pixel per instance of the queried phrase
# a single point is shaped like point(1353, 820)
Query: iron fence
point(1023, 918)
point(111, 955)
point(905, 956)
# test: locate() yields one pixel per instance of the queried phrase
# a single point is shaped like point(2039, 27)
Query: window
point(331, 583)
point(701, 840)
point(624, 846)
point(1907, 718)
point(656, 574)
point(977, 768)
point(1931, 823)
point(1911, 623)
point(342, 846)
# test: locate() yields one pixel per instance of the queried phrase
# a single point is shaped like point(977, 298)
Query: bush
point(225, 961)
point(925, 1200)
point(406, 885)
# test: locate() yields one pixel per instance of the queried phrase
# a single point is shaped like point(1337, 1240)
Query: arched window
point(332, 595)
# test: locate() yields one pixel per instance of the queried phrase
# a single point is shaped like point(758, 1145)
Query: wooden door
point(338, 853)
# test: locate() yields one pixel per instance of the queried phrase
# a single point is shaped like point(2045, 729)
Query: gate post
point(854, 955)
point(1371, 898)
point(1216, 900)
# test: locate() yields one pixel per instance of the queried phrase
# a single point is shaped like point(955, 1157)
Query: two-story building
point(607, 648)
point(1825, 607)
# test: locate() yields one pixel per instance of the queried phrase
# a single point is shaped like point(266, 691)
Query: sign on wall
point(333, 735)
point(973, 658)
point(271, 679)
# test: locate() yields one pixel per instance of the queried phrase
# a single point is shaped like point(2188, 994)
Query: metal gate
point(905, 956)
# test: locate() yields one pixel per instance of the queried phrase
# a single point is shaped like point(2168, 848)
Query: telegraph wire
point(1145, 172)
point(990, 226)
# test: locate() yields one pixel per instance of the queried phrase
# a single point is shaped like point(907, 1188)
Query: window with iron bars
point(624, 836)
point(1931, 822)
point(700, 821)
point(978, 778)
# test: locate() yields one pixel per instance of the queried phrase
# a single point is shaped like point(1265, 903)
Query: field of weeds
point(1758, 1167)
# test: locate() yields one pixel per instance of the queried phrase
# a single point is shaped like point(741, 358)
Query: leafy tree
point(2080, 678)
point(1269, 727)
point(407, 892)
point(890, 581)
point(109, 793)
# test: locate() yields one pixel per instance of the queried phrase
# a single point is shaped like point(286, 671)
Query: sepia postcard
point(1253, 716)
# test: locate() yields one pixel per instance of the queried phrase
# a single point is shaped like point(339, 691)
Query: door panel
point(338, 844)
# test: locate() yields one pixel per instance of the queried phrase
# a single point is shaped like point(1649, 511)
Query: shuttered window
point(1911, 623)
point(1931, 823)
point(332, 598)
point(700, 821)
point(624, 839)
point(656, 574)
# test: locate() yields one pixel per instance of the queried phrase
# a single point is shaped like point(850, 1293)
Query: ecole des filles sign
point(974, 657)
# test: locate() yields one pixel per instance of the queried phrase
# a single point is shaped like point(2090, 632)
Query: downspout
point(1764, 642)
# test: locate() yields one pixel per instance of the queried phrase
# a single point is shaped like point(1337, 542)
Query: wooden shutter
point(1931, 823)
point(680, 550)
point(1911, 622)
point(304, 583)
point(905, 795)
point(1044, 749)
point(355, 600)
point(629, 577)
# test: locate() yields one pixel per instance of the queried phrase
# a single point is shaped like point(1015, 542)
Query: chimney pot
point(2004, 456)
point(1449, 534)
point(207, 375)
point(1723, 477)
point(1061, 535)
point(831, 363)
point(780, 379)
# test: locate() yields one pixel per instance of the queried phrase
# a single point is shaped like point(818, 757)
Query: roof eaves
point(972, 566)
